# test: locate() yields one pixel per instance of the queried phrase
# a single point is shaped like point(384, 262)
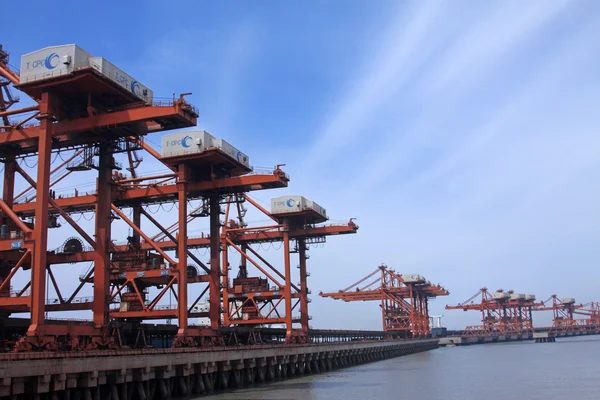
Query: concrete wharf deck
point(169, 373)
point(461, 340)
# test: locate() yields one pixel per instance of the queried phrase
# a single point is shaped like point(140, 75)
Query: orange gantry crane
point(564, 310)
point(592, 311)
point(404, 300)
point(79, 107)
point(502, 313)
point(274, 297)
point(91, 112)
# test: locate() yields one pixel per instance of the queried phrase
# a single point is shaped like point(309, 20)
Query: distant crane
point(404, 300)
point(592, 311)
point(502, 313)
point(563, 310)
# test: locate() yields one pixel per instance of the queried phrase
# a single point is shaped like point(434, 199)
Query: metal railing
point(266, 171)
point(164, 307)
point(76, 300)
point(45, 75)
point(70, 320)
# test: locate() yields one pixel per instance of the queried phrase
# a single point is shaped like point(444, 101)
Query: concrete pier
point(543, 337)
point(469, 340)
point(539, 336)
point(172, 373)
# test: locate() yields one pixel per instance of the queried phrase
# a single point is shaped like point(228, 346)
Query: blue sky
point(462, 135)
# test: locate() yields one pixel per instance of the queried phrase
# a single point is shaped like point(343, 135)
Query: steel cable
point(27, 165)
point(191, 205)
point(84, 217)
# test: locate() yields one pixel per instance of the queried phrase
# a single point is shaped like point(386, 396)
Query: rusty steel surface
point(94, 120)
point(404, 302)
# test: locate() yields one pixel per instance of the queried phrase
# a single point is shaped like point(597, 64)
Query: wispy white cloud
point(492, 35)
point(402, 49)
point(517, 121)
point(476, 54)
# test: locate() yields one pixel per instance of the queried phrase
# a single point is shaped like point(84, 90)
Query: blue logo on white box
point(184, 141)
point(49, 62)
point(135, 88)
point(291, 202)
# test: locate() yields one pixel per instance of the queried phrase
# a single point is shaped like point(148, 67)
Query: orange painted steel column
point(137, 220)
point(8, 193)
point(383, 313)
point(244, 262)
point(426, 317)
point(384, 300)
point(182, 294)
point(530, 315)
point(215, 262)
point(40, 233)
point(413, 311)
point(287, 290)
point(225, 277)
point(100, 308)
point(483, 309)
point(303, 287)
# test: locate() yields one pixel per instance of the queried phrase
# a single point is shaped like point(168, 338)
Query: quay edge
point(456, 340)
point(147, 375)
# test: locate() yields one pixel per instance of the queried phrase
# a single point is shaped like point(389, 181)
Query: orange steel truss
point(274, 297)
point(94, 119)
point(564, 310)
point(404, 300)
point(502, 313)
point(592, 311)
